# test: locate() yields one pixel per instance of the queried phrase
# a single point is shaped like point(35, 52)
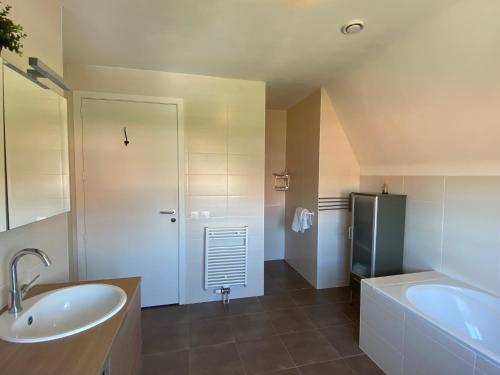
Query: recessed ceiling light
point(352, 27)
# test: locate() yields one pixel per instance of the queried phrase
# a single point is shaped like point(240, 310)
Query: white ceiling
point(294, 45)
point(429, 103)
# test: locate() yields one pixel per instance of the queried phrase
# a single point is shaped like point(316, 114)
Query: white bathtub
point(428, 323)
point(468, 314)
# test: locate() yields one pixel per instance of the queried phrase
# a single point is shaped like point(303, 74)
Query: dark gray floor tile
point(273, 287)
point(217, 331)
point(271, 274)
point(293, 282)
point(342, 294)
point(264, 355)
point(285, 270)
point(276, 301)
point(173, 363)
point(164, 316)
point(326, 315)
point(281, 277)
point(251, 327)
point(216, 359)
point(362, 365)
point(165, 338)
point(206, 310)
point(275, 266)
point(309, 347)
point(290, 320)
point(310, 297)
point(337, 367)
point(344, 338)
point(290, 371)
point(243, 306)
point(213, 328)
point(352, 311)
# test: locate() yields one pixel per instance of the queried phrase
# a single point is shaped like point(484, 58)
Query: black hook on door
point(126, 142)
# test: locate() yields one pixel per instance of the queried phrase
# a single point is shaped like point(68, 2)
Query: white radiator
point(226, 251)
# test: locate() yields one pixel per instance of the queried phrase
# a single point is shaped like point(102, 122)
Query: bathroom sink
point(62, 312)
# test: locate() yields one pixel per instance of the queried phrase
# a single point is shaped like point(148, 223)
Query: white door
point(131, 193)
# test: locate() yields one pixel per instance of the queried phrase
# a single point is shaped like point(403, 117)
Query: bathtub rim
point(394, 288)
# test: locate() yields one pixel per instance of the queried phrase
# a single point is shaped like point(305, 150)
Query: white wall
point(338, 177)
point(428, 103)
point(302, 161)
point(42, 23)
point(321, 163)
point(274, 220)
point(224, 145)
point(424, 112)
point(451, 225)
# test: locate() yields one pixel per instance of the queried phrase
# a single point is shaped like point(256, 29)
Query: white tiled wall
point(452, 225)
point(49, 235)
point(424, 220)
point(333, 248)
point(225, 181)
point(322, 165)
point(224, 122)
point(471, 230)
point(302, 161)
point(274, 238)
point(338, 177)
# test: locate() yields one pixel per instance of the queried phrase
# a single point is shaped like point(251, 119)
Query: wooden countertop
point(82, 354)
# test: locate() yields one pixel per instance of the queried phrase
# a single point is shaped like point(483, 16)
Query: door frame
point(78, 202)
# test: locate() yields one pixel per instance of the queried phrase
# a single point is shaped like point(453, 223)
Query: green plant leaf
point(11, 34)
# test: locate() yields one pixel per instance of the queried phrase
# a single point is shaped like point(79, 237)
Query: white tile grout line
point(288, 352)
point(318, 330)
point(242, 364)
point(189, 341)
point(277, 335)
point(312, 364)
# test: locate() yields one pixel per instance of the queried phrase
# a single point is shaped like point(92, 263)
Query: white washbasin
point(62, 312)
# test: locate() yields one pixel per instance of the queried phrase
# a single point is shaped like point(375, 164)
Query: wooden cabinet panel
point(116, 342)
point(125, 356)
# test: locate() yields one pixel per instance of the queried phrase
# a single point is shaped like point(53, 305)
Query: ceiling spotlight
point(353, 27)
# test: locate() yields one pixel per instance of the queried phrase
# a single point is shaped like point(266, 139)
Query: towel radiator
point(333, 203)
point(226, 254)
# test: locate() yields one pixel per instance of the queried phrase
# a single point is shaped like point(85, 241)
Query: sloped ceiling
point(429, 103)
point(418, 92)
point(293, 45)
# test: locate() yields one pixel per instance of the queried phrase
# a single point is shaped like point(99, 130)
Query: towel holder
point(281, 181)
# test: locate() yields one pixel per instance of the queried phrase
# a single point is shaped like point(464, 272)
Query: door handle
point(168, 212)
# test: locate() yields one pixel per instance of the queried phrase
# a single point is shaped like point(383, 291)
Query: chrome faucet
point(16, 294)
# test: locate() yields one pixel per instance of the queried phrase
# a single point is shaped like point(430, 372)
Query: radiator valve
point(224, 292)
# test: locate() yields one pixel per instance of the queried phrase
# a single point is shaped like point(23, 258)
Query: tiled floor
point(292, 330)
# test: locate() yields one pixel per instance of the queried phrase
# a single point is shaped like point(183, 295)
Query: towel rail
point(333, 203)
point(226, 254)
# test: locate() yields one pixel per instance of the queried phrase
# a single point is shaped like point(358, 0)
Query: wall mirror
point(3, 186)
point(36, 150)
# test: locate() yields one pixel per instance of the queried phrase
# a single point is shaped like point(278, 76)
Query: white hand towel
point(296, 223)
point(306, 220)
point(302, 220)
